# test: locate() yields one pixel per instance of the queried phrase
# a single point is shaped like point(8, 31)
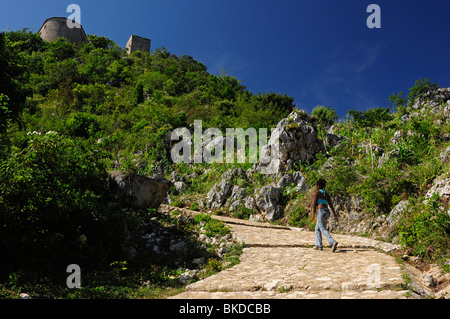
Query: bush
point(420, 88)
point(426, 230)
point(213, 227)
point(82, 125)
point(56, 209)
point(325, 116)
point(370, 118)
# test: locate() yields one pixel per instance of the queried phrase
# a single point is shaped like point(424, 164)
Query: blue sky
point(320, 52)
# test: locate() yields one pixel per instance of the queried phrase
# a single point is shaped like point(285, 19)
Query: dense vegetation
point(71, 112)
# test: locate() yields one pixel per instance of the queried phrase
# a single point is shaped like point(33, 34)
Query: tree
point(281, 103)
point(138, 93)
point(55, 206)
point(420, 88)
point(370, 118)
point(398, 102)
point(12, 90)
point(324, 115)
point(101, 42)
point(25, 41)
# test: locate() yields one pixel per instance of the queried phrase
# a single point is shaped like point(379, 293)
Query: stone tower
point(55, 28)
point(136, 43)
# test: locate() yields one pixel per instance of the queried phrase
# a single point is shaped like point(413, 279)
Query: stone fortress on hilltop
point(57, 27)
point(136, 43)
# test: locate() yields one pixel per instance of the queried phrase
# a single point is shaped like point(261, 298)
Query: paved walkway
point(279, 262)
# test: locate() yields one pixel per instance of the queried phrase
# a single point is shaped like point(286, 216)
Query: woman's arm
point(330, 202)
point(314, 205)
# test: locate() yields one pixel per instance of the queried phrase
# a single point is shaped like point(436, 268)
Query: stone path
point(279, 262)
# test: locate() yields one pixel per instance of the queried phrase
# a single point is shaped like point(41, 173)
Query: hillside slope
point(71, 113)
point(388, 173)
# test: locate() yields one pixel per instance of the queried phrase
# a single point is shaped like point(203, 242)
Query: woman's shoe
point(318, 248)
point(334, 246)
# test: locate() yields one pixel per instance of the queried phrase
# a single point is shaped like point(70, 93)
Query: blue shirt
point(320, 200)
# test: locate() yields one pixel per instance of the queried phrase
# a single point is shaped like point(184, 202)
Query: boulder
point(267, 200)
point(295, 138)
point(445, 155)
point(237, 194)
point(218, 194)
point(222, 190)
point(138, 191)
point(293, 182)
point(180, 186)
point(441, 186)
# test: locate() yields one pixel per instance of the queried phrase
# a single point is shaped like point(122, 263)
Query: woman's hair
point(322, 183)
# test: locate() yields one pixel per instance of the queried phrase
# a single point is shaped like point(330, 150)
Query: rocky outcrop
point(295, 138)
point(138, 191)
point(436, 100)
point(222, 190)
point(441, 187)
point(232, 192)
point(267, 200)
point(293, 182)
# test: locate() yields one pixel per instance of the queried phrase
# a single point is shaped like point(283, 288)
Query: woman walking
point(321, 201)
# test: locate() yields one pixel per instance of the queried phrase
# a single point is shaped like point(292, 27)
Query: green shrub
point(213, 227)
point(420, 88)
point(426, 230)
point(56, 208)
point(138, 93)
point(82, 125)
point(299, 217)
point(194, 206)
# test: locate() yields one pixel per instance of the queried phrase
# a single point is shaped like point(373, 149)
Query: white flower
point(33, 133)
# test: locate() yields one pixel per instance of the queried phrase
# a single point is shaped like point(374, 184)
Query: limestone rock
point(187, 276)
point(294, 138)
point(295, 180)
point(267, 200)
point(180, 186)
point(249, 203)
point(433, 100)
point(178, 246)
point(222, 190)
point(175, 177)
point(396, 213)
point(388, 224)
point(137, 190)
point(441, 186)
point(445, 155)
point(333, 140)
point(218, 194)
point(237, 194)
